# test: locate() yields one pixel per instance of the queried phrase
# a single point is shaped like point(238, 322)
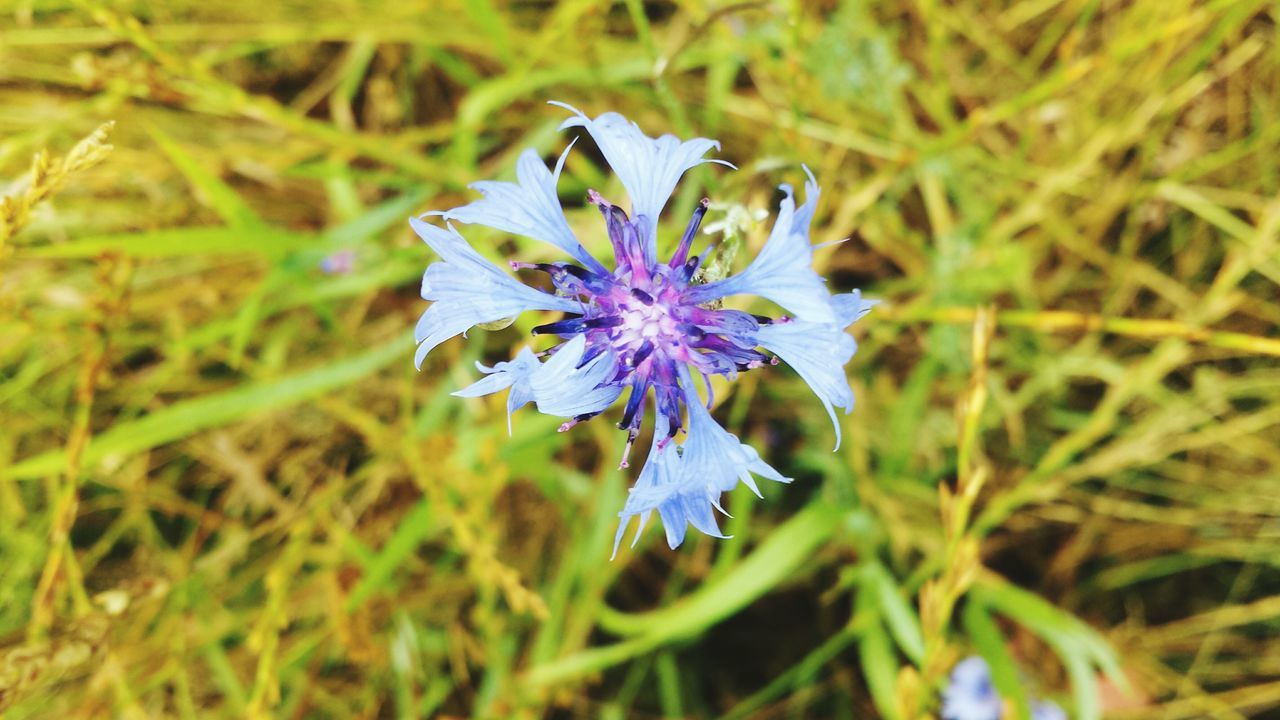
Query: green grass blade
point(898, 614)
point(174, 242)
point(411, 530)
point(188, 417)
point(786, 548)
point(879, 663)
point(986, 637)
point(224, 201)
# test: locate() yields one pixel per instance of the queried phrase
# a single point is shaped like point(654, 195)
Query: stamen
point(642, 296)
point(626, 451)
point(634, 253)
point(682, 251)
point(592, 353)
point(596, 198)
point(641, 354)
point(605, 321)
point(669, 406)
point(631, 414)
point(579, 272)
point(560, 327)
point(567, 277)
point(615, 221)
point(575, 420)
point(573, 326)
point(693, 332)
point(690, 267)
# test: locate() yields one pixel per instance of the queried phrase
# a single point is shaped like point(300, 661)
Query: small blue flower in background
point(342, 262)
point(646, 327)
point(1047, 710)
point(970, 695)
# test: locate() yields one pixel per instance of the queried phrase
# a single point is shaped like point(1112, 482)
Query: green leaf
point(1080, 647)
point(188, 417)
point(381, 217)
point(1084, 682)
point(898, 614)
point(879, 663)
point(171, 242)
point(799, 676)
point(412, 529)
point(785, 549)
point(775, 560)
point(223, 676)
point(228, 204)
point(986, 637)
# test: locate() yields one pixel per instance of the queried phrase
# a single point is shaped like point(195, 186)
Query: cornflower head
point(970, 695)
point(647, 327)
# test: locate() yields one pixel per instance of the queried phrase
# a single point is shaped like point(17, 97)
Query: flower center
point(648, 324)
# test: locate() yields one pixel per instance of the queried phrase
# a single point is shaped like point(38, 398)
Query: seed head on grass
point(646, 327)
point(47, 177)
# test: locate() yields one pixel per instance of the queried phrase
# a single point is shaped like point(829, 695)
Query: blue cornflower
point(1047, 710)
point(971, 696)
point(646, 327)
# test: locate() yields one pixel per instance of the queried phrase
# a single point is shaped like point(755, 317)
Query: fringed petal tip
point(851, 307)
point(783, 270)
point(813, 181)
point(623, 522)
point(649, 168)
point(530, 207)
point(466, 290)
point(682, 511)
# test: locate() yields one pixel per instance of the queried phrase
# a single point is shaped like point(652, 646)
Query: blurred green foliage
point(224, 492)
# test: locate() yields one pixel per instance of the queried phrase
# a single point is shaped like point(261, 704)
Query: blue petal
point(970, 694)
point(563, 389)
point(688, 508)
point(685, 487)
point(818, 353)
point(487, 385)
point(1047, 710)
point(649, 169)
point(666, 485)
point(656, 478)
point(851, 307)
point(514, 374)
point(783, 271)
point(467, 290)
point(529, 207)
point(713, 456)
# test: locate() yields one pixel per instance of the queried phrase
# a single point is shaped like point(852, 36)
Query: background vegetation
point(224, 492)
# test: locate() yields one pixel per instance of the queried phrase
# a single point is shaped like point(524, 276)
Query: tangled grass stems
point(338, 539)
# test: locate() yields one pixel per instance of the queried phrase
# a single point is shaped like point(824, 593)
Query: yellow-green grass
point(225, 492)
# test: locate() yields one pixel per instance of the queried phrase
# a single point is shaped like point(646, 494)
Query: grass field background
point(225, 492)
